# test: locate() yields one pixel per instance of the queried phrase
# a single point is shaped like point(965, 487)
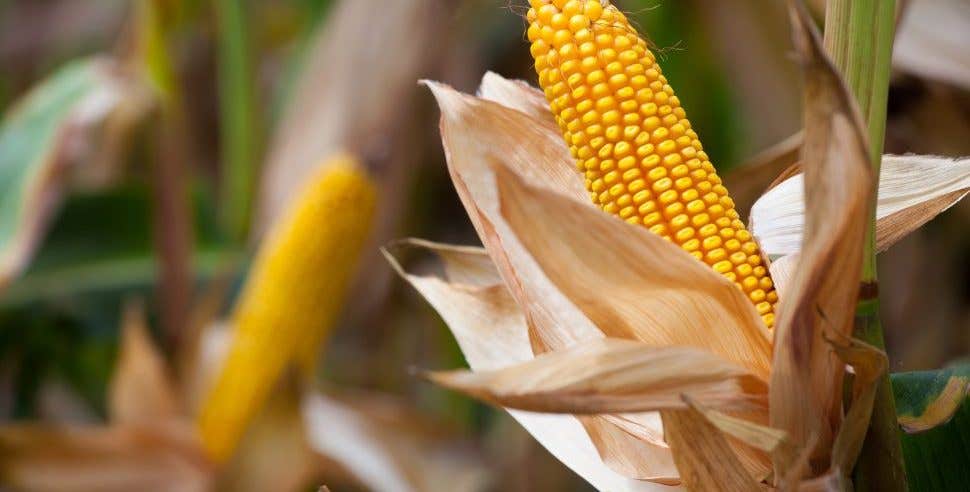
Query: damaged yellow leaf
point(941, 409)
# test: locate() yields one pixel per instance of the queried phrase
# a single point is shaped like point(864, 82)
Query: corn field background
point(171, 139)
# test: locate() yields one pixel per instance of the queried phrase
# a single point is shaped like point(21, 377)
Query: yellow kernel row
point(631, 139)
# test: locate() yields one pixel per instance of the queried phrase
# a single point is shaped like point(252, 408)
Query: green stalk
point(859, 37)
point(173, 234)
point(240, 142)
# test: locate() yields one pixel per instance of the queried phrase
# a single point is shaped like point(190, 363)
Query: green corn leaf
point(934, 413)
point(38, 138)
point(59, 319)
point(100, 245)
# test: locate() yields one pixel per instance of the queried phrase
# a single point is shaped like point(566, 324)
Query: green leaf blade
point(937, 459)
point(32, 139)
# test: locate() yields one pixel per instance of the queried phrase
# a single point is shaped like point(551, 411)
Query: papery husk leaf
point(632, 457)
point(492, 333)
point(869, 365)
point(942, 181)
point(612, 376)
point(141, 389)
point(485, 320)
point(120, 458)
point(932, 41)
point(782, 270)
point(389, 452)
point(477, 134)
point(790, 478)
point(704, 457)
point(833, 481)
point(806, 379)
point(518, 95)
point(633, 445)
point(645, 426)
point(630, 282)
point(772, 441)
point(638, 286)
point(912, 191)
point(41, 138)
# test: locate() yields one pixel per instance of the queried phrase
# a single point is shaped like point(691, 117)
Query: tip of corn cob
point(291, 298)
point(631, 139)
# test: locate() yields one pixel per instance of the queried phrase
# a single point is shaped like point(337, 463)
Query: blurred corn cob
point(291, 299)
point(633, 142)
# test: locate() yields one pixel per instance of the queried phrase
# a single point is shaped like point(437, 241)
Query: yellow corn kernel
point(291, 298)
point(612, 103)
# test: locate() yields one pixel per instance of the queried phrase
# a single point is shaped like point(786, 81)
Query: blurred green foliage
point(61, 319)
point(691, 67)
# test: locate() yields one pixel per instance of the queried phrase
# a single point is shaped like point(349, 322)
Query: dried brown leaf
point(120, 458)
point(485, 320)
point(915, 190)
point(912, 191)
point(645, 426)
point(639, 286)
point(478, 133)
point(869, 365)
point(630, 455)
point(630, 282)
point(767, 439)
point(806, 376)
point(612, 376)
point(492, 332)
point(141, 390)
point(518, 95)
point(704, 457)
point(782, 270)
point(833, 481)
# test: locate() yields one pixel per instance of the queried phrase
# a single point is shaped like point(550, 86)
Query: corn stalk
point(172, 215)
point(859, 37)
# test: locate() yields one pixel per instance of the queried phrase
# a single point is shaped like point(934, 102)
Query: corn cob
point(632, 141)
point(291, 298)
